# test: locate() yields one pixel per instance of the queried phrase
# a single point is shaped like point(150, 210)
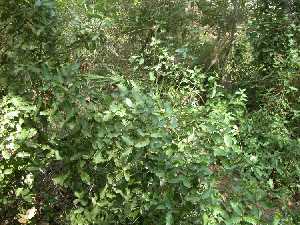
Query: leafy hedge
point(156, 138)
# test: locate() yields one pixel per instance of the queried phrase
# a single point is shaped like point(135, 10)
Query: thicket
point(149, 112)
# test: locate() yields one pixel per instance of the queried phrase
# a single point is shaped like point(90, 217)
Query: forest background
point(154, 112)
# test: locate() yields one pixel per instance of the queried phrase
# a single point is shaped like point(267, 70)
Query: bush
point(106, 119)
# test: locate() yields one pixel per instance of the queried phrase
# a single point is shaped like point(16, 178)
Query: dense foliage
point(149, 112)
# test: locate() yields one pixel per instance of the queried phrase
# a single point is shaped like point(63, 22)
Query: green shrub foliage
point(149, 112)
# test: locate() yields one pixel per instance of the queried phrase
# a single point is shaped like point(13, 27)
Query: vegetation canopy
point(149, 112)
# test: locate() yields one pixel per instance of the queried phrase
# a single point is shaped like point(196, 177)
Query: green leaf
point(127, 140)
point(128, 102)
point(38, 3)
point(126, 175)
point(6, 154)
point(60, 180)
point(85, 177)
point(142, 143)
point(277, 218)
point(228, 140)
point(173, 122)
point(205, 219)
point(57, 155)
point(23, 155)
point(187, 183)
point(141, 61)
point(151, 76)
point(8, 171)
point(108, 116)
point(18, 191)
point(236, 208)
point(12, 114)
point(271, 183)
point(169, 218)
point(220, 152)
point(250, 219)
point(98, 157)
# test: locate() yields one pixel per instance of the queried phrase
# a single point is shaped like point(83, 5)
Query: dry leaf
point(23, 219)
